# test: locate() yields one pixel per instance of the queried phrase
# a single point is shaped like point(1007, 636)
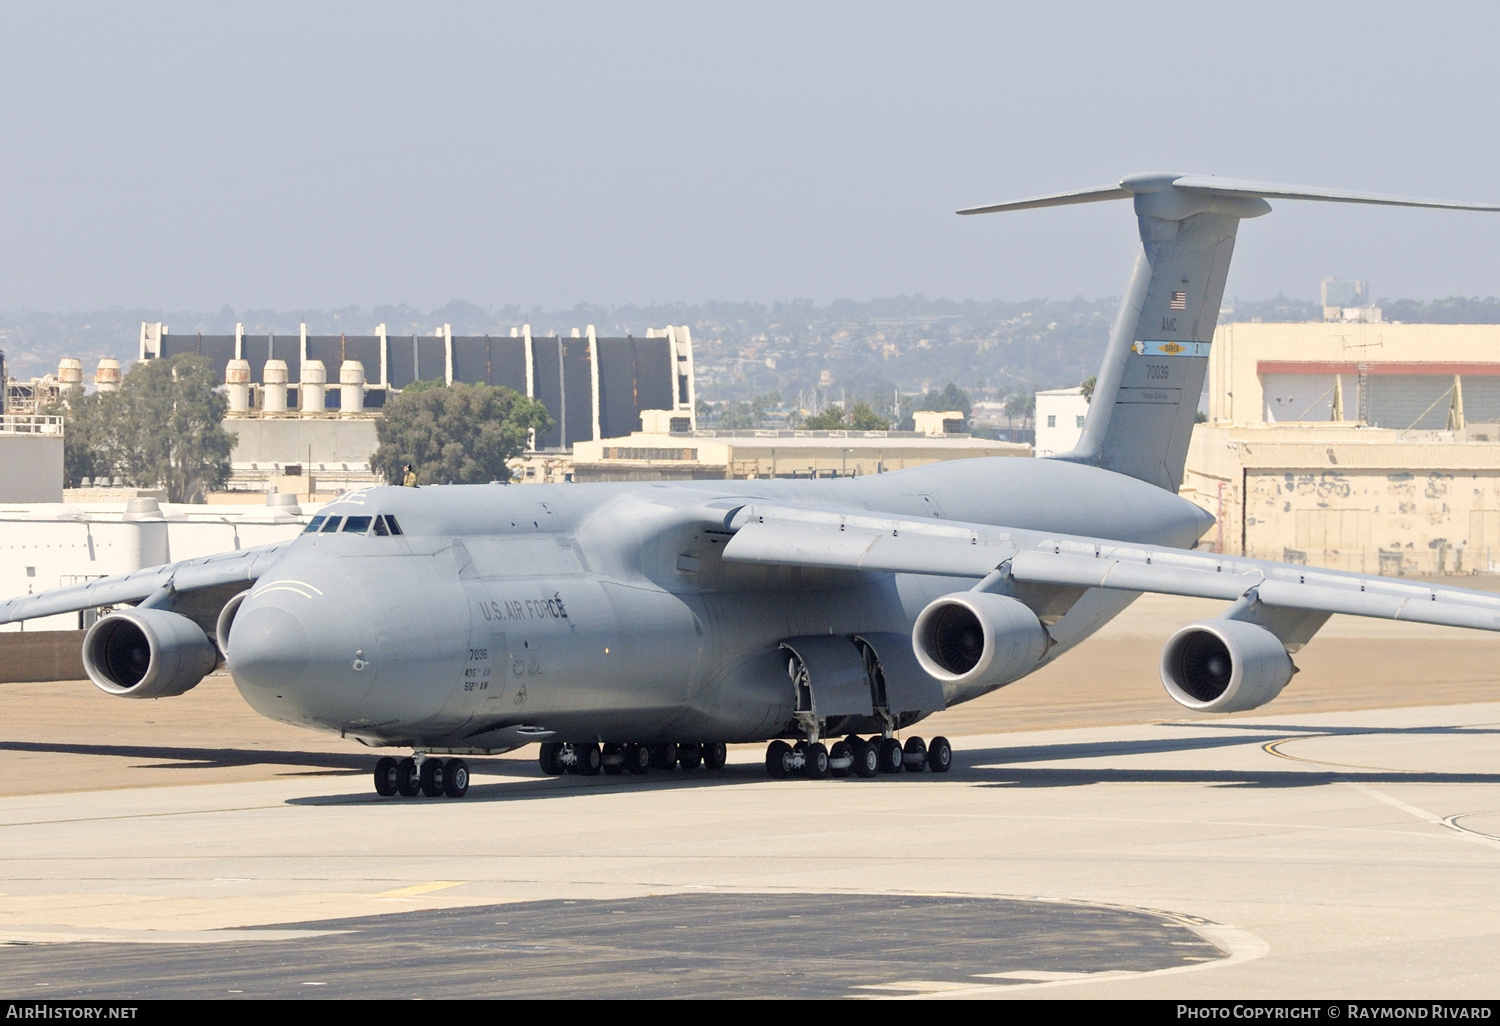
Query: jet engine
point(974, 641)
point(147, 653)
point(1224, 666)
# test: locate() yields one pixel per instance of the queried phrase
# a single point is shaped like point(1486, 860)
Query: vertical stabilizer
point(1146, 398)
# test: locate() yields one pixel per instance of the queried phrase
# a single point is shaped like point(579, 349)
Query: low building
point(1358, 446)
point(747, 455)
point(305, 456)
point(31, 458)
point(937, 423)
point(1060, 413)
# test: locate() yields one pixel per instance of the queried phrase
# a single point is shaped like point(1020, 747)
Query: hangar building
point(302, 404)
point(1370, 447)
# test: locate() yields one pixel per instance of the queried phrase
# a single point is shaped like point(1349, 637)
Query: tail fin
point(1146, 398)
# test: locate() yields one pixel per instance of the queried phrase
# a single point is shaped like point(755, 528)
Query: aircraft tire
point(664, 756)
point(433, 777)
point(690, 762)
point(456, 778)
point(385, 777)
point(866, 758)
point(715, 754)
point(589, 760)
point(891, 755)
point(914, 755)
point(940, 755)
point(614, 759)
point(817, 761)
point(546, 758)
point(637, 758)
point(836, 756)
point(779, 760)
point(408, 779)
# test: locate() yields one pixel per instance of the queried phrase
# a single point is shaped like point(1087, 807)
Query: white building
point(52, 545)
point(1059, 420)
point(31, 458)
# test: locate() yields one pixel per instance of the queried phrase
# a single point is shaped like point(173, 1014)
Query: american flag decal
point(1179, 301)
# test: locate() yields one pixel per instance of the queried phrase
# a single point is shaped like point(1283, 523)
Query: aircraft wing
point(223, 568)
point(833, 540)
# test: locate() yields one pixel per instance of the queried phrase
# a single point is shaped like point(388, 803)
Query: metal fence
point(30, 424)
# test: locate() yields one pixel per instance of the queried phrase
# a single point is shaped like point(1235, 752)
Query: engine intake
point(147, 653)
point(1224, 666)
point(974, 641)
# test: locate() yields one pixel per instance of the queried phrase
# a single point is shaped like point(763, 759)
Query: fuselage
point(606, 612)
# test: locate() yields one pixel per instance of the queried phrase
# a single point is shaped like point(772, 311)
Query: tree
point(459, 433)
point(168, 427)
point(951, 397)
point(1087, 388)
point(748, 415)
point(1020, 405)
point(864, 418)
point(164, 428)
point(87, 446)
point(859, 418)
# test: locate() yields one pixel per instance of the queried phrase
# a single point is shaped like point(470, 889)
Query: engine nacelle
point(1224, 666)
point(226, 620)
point(147, 653)
point(973, 641)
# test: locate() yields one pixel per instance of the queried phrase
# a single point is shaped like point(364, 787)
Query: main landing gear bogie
point(857, 755)
point(558, 757)
point(434, 778)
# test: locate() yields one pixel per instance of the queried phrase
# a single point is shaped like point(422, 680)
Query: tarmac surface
point(1091, 841)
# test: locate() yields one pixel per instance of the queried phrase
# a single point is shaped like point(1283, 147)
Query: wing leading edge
point(188, 575)
point(832, 540)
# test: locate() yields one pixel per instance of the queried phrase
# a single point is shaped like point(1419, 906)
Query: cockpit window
point(380, 527)
point(332, 525)
point(356, 525)
point(390, 522)
point(314, 524)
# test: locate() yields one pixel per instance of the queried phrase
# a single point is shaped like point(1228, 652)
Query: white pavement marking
point(74, 935)
point(1449, 822)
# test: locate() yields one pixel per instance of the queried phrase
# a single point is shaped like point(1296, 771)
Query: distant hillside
point(865, 348)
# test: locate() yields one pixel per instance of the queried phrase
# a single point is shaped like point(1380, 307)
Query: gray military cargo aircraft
point(640, 626)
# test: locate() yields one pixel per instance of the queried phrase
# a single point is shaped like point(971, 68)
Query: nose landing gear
point(410, 777)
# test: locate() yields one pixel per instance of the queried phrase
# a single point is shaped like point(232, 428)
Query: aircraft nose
point(300, 645)
point(269, 645)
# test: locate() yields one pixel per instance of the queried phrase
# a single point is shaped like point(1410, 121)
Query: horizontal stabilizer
point(1232, 187)
point(1056, 199)
point(1208, 185)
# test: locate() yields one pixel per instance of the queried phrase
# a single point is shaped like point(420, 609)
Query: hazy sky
point(322, 155)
